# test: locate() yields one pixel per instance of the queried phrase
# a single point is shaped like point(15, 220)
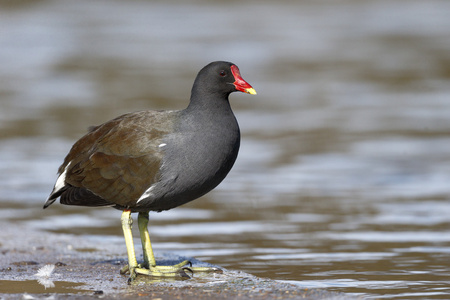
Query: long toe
point(125, 270)
point(164, 271)
point(174, 271)
point(205, 270)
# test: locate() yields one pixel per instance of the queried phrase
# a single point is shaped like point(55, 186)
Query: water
point(342, 179)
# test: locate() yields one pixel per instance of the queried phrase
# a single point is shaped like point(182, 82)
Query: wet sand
point(88, 270)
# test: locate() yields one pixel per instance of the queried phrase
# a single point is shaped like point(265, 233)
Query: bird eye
point(223, 73)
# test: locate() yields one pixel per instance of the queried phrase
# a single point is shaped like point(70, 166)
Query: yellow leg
point(127, 221)
point(149, 257)
point(149, 266)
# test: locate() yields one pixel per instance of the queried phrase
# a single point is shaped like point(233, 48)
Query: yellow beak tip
point(250, 91)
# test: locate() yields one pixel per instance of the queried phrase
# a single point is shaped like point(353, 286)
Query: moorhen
point(156, 160)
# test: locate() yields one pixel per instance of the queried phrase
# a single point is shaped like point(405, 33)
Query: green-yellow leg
point(149, 258)
point(127, 221)
point(149, 267)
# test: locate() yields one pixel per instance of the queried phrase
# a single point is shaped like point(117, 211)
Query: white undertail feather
point(61, 181)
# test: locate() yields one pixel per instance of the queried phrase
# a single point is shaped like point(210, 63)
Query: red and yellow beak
point(240, 84)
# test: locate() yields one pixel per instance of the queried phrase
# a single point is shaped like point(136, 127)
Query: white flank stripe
point(162, 145)
point(147, 193)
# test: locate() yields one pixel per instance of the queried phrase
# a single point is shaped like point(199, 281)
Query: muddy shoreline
point(87, 270)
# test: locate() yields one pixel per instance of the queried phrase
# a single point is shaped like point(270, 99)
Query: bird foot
point(176, 271)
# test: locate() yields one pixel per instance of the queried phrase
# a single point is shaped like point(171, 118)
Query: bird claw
point(187, 269)
point(180, 270)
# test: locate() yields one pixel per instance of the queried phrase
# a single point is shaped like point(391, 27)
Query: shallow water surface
point(342, 181)
point(36, 287)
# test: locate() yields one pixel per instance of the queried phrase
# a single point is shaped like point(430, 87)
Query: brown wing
point(119, 160)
